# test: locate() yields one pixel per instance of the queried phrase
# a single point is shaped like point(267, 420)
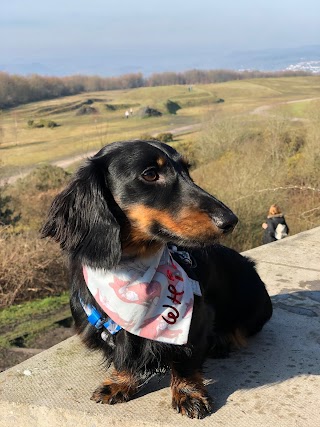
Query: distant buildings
point(308, 66)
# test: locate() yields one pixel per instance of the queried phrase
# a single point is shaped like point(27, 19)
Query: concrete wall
point(275, 381)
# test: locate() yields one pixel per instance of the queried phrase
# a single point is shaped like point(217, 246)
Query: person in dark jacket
point(271, 230)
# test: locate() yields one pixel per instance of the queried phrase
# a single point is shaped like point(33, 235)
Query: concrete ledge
point(273, 382)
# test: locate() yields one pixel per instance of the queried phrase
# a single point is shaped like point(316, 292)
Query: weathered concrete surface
point(275, 381)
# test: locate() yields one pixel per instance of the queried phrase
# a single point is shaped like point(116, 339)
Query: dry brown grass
point(29, 268)
point(277, 163)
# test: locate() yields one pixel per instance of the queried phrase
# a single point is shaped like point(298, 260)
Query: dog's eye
point(150, 175)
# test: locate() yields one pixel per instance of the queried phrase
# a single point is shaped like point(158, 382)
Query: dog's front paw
point(189, 395)
point(111, 393)
point(196, 404)
point(116, 389)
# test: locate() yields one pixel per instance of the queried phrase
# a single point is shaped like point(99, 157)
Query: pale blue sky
point(40, 30)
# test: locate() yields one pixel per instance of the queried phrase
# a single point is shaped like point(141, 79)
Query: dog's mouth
point(191, 227)
point(165, 235)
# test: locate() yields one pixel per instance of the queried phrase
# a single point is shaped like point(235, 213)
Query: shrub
point(42, 123)
point(51, 124)
point(33, 125)
point(85, 109)
point(146, 112)
point(165, 137)
point(29, 268)
point(44, 178)
point(172, 107)
point(7, 216)
point(147, 137)
point(32, 195)
point(111, 107)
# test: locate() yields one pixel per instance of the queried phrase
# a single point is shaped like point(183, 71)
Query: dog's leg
point(119, 387)
point(222, 343)
point(189, 395)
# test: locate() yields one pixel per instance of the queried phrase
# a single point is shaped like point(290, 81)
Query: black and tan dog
point(129, 201)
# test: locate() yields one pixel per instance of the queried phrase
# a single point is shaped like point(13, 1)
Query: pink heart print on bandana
point(150, 297)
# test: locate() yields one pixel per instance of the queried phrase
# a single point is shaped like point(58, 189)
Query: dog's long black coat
point(127, 201)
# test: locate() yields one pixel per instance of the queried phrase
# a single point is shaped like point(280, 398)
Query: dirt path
point(263, 109)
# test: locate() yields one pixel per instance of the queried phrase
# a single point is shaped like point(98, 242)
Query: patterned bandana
point(150, 297)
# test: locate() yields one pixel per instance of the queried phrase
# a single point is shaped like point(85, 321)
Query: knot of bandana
point(150, 297)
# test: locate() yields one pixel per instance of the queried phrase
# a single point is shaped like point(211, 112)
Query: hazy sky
point(40, 29)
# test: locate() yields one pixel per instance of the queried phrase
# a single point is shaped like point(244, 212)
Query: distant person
point(127, 114)
point(276, 227)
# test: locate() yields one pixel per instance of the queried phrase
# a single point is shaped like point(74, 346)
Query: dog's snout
point(221, 216)
point(225, 222)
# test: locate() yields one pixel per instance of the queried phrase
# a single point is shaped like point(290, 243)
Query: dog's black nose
point(229, 228)
point(225, 222)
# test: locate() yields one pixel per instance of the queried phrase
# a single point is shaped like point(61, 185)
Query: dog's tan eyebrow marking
point(161, 161)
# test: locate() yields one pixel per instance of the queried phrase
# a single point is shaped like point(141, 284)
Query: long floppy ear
point(80, 219)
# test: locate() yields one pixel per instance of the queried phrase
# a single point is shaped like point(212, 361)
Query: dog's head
point(131, 198)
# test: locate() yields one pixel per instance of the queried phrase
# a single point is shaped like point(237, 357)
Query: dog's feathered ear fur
point(80, 219)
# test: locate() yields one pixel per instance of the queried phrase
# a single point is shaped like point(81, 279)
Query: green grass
point(20, 312)
point(30, 318)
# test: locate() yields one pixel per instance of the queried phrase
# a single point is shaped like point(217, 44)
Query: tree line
point(17, 89)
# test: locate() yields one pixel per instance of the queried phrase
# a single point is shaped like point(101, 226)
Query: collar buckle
point(96, 319)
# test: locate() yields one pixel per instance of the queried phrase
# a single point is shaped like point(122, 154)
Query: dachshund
point(130, 204)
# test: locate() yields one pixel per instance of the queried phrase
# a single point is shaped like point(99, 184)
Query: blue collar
point(98, 321)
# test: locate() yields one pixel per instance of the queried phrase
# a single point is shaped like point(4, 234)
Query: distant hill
point(116, 63)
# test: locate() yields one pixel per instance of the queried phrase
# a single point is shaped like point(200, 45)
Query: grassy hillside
point(22, 147)
point(250, 151)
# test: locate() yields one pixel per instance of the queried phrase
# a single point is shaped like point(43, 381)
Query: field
point(251, 143)
point(22, 147)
